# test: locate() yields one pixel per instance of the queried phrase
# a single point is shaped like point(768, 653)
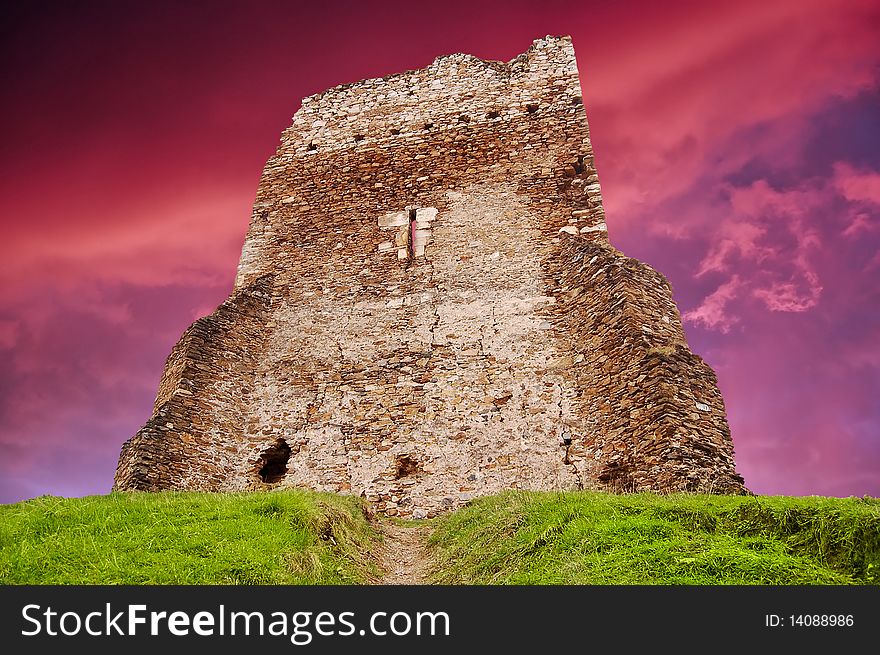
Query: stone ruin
point(427, 309)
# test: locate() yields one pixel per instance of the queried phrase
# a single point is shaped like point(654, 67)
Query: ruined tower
point(427, 309)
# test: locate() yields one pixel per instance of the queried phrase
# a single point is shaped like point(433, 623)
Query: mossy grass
point(598, 538)
point(279, 537)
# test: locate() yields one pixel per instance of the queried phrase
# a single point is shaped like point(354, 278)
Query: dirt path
point(403, 557)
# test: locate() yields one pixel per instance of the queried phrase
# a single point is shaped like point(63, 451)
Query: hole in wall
point(464, 119)
point(273, 462)
point(358, 137)
point(429, 126)
point(395, 132)
point(579, 165)
point(312, 146)
point(404, 465)
point(577, 101)
point(493, 114)
point(532, 108)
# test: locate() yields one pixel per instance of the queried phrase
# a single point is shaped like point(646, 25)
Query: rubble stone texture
point(428, 309)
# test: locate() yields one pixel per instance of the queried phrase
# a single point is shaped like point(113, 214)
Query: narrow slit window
point(411, 243)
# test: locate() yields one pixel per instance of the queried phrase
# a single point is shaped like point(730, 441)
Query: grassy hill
point(297, 537)
point(596, 538)
point(290, 537)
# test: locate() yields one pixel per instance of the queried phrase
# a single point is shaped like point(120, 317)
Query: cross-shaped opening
point(412, 232)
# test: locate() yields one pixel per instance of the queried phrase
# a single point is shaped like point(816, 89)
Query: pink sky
point(738, 146)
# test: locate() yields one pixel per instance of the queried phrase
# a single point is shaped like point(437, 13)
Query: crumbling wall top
point(453, 89)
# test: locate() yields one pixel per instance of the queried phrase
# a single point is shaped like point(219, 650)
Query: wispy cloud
point(714, 312)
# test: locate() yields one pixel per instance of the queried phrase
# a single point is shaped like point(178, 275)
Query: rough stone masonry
point(428, 309)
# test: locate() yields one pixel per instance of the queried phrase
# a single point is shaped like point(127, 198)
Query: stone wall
point(194, 436)
point(653, 417)
point(427, 309)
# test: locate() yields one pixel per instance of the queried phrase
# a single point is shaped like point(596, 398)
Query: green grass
point(298, 537)
point(596, 538)
point(284, 537)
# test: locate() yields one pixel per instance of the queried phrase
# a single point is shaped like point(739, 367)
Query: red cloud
point(713, 312)
point(679, 99)
point(856, 185)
